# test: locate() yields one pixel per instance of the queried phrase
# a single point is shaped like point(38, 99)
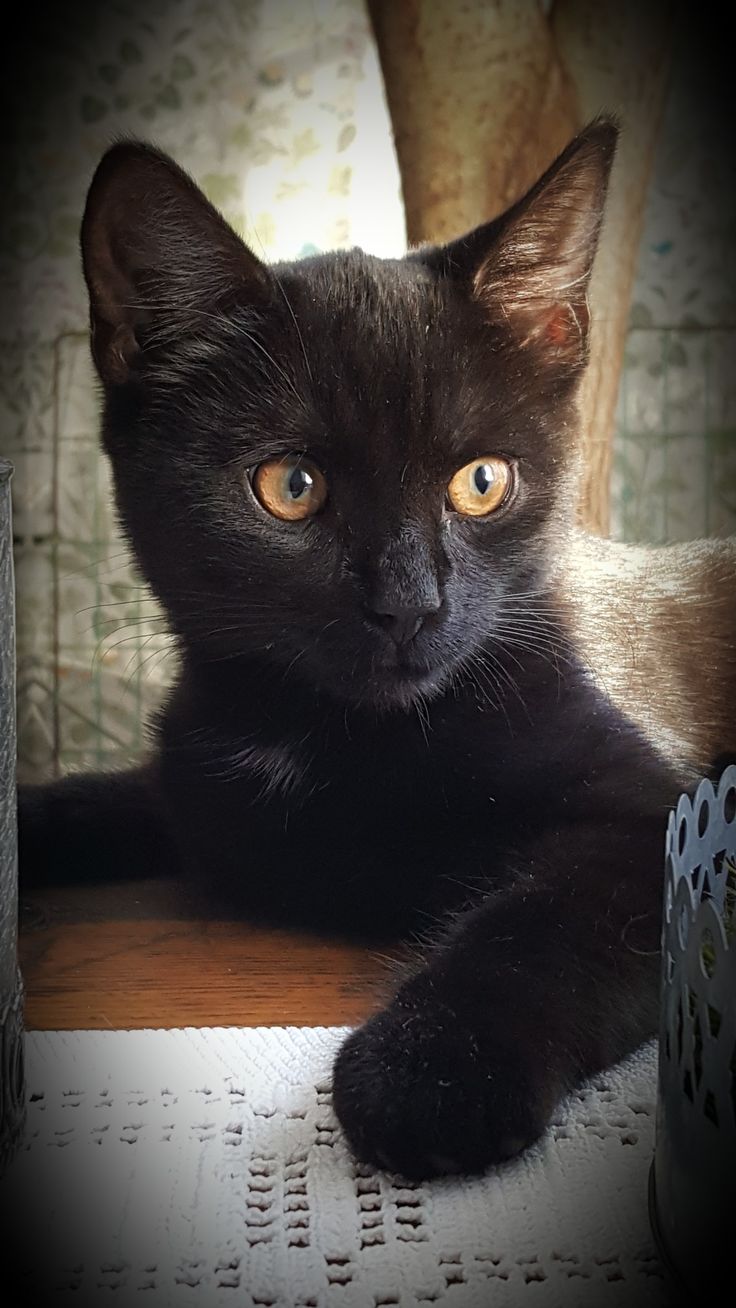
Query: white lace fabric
point(206, 1168)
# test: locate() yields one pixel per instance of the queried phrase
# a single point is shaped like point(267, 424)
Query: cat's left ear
point(159, 260)
point(530, 268)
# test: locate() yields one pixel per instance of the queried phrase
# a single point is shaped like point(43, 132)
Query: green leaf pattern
point(674, 455)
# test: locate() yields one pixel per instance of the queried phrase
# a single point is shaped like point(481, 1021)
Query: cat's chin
point(398, 687)
point(388, 687)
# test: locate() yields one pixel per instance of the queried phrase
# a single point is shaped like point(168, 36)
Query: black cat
point(348, 480)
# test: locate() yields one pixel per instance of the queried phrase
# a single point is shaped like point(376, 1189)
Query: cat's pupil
point(483, 477)
point(299, 482)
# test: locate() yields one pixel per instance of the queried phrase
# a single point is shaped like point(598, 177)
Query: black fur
point(470, 788)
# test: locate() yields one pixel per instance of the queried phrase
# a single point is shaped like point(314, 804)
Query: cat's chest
point(335, 825)
point(398, 776)
point(316, 814)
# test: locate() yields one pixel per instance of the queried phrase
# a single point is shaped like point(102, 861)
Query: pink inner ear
point(566, 325)
point(561, 326)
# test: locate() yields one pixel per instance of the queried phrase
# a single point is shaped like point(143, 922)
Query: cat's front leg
point(531, 993)
point(94, 826)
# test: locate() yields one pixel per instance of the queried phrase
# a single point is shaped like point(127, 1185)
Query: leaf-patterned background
point(278, 110)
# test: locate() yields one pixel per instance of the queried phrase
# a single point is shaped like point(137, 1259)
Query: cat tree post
point(483, 96)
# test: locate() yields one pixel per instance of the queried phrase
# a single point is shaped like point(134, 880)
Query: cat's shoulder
point(656, 625)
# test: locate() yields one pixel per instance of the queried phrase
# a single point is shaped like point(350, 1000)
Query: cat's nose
point(401, 622)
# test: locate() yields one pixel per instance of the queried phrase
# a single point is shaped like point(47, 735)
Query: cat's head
point(352, 468)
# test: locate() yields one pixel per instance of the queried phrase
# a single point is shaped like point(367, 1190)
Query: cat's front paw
point(418, 1093)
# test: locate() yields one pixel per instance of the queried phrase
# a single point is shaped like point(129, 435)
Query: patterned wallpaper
point(674, 475)
point(277, 109)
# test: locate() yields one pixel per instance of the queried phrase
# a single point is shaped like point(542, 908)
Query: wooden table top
point(131, 955)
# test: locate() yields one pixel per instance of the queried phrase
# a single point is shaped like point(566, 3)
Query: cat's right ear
point(530, 267)
point(157, 257)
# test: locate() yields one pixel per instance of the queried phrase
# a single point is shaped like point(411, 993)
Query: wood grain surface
point(132, 956)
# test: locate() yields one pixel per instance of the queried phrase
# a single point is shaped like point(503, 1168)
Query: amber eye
point(480, 487)
point(290, 488)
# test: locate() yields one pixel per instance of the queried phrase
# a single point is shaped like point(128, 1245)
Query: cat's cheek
point(417, 1094)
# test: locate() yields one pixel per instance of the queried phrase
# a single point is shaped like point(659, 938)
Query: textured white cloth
point(205, 1167)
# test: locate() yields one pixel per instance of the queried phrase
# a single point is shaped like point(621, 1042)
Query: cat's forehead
point(353, 284)
point(392, 329)
point(393, 349)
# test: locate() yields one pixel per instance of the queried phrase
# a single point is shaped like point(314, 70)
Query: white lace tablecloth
point(205, 1167)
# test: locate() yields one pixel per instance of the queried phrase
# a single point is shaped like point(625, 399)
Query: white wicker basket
point(693, 1180)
